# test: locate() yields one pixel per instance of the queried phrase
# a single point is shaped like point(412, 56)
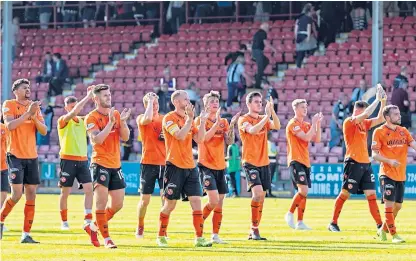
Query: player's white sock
point(106, 240)
point(25, 234)
point(87, 211)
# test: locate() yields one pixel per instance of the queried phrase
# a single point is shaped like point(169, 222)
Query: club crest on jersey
point(402, 133)
point(222, 125)
point(2, 132)
point(103, 178)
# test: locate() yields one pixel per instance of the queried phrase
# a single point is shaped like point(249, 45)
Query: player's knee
point(16, 196)
point(256, 197)
point(397, 207)
point(213, 201)
point(144, 202)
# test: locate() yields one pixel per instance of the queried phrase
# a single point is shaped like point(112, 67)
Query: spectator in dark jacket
point(45, 12)
point(233, 55)
point(48, 69)
point(400, 98)
point(401, 79)
point(59, 76)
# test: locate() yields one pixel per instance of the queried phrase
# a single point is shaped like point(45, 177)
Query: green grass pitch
point(356, 242)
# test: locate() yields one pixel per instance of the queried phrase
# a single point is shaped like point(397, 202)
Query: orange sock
point(6, 209)
point(198, 221)
point(110, 213)
point(29, 212)
point(64, 215)
point(372, 203)
point(216, 220)
point(102, 222)
point(163, 224)
point(141, 221)
point(260, 211)
point(295, 202)
point(339, 203)
point(301, 209)
point(255, 214)
point(206, 211)
point(390, 220)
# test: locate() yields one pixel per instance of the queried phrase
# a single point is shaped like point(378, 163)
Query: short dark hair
point(70, 99)
point(100, 87)
point(361, 104)
point(251, 95)
point(243, 47)
point(58, 55)
point(388, 109)
point(48, 53)
point(19, 82)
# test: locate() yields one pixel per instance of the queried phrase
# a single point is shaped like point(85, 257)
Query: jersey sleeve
point(8, 109)
point(242, 124)
point(367, 123)
point(294, 127)
point(169, 125)
point(91, 123)
point(376, 143)
point(61, 122)
point(409, 137)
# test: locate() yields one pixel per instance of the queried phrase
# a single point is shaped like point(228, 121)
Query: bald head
point(180, 99)
point(264, 26)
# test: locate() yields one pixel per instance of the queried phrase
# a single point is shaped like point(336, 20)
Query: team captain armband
point(171, 127)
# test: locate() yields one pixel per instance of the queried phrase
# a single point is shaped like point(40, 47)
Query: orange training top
point(255, 147)
point(297, 148)
point(178, 152)
point(355, 136)
point(392, 144)
point(22, 140)
point(151, 135)
point(211, 153)
point(106, 154)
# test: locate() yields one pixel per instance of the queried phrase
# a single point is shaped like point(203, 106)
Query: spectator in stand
point(128, 145)
point(168, 80)
point(271, 92)
point(332, 15)
point(194, 97)
point(60, 75)
point(45, 13)
point(225, 8)
point(272, 152)
point(233, 165)
point(202, 9)
point(175, 15)
point(48, 69)
point(391, 8)
point(360, 15)
point(340, 112)
point(305, 39)
point(15, 36)
point(259, 43)
point(89, 13)
point(236, 78)
point(263, 10)
point(400, 98)
point(401, 79)
point(70, 13)
point(47, 113)
point(357, 94)
point(233, 55)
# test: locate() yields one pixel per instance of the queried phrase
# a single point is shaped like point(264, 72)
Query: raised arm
point(11, 122)
point(311, 134)
point(275, 123)
point(370, 109)
point(199, 137)
point(40, 124)
point(211, 132)
point(124, 129)
point(230, 135)
point(317, 137)
point(78, 107)
point(180, 133)
point(148, 113)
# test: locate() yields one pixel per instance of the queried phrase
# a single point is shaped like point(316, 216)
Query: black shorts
point(71, 169)
point(358, 177)
point(148, 176)
point(178, 181)
point(23, 171)
point(213, 179)
point(300, 174)
point(112, 179)
point(257, 176)
point(5, 187)
point(391, 190)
